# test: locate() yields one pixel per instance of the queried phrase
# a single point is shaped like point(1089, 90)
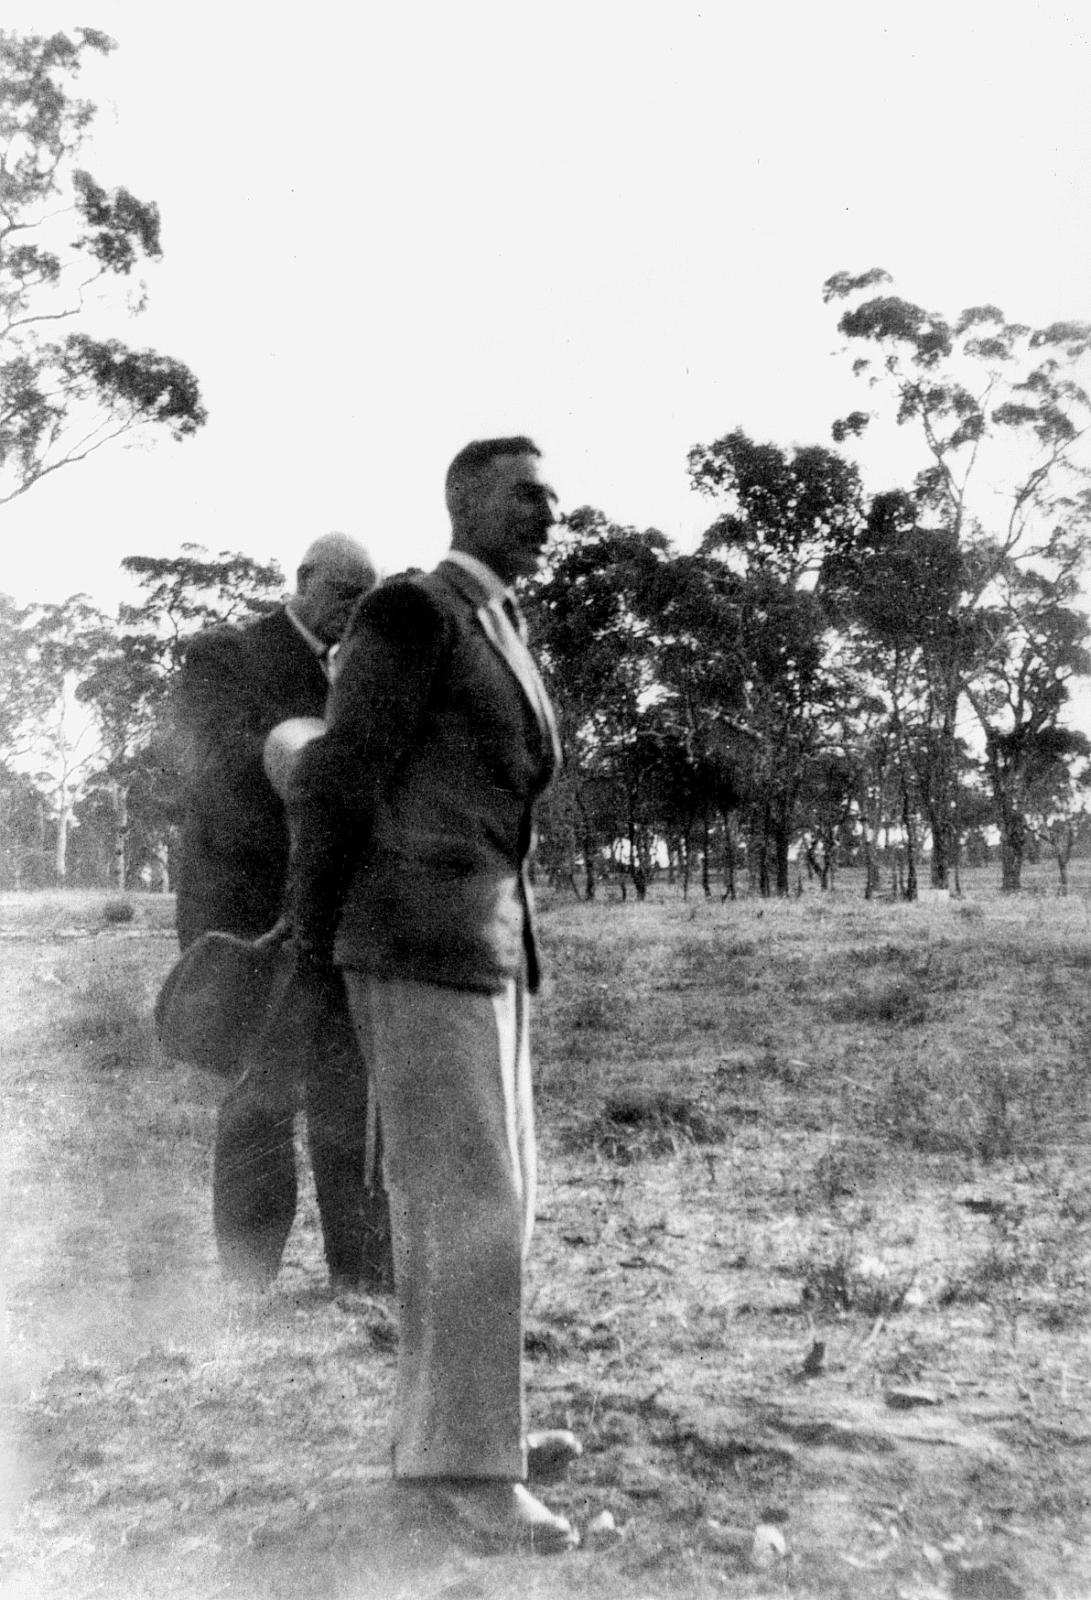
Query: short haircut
point(338, 553)
point(467, 469)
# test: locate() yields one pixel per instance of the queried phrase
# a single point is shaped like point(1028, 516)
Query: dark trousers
point(306, 1054)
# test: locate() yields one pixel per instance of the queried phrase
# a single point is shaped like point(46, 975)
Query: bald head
point(333, 574)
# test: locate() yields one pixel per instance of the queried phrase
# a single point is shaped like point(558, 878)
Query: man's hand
point(309, 959)
point(277, 935)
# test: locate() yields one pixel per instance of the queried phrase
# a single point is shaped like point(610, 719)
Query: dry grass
point(814, 1248)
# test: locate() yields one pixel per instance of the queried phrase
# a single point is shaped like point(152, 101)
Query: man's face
point(514, 517)
point(328, 595)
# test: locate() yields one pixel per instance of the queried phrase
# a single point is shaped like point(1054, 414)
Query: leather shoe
point(496, 1516)
point(550, 1453)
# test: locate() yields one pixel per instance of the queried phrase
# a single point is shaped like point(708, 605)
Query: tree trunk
point(940, 822)
point(909, 822)
point(639, 857)
point(1005, 779)
point(765, 882)
point(119, 798)
point(60, 842)
point(782, 841)
point(867, 851)
point(729, 860)
point(1062, 870)
point(588, 863)
point(943, 783)
point(941, 854)
point(1013, 841)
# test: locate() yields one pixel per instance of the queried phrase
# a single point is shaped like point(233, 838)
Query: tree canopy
point(831, 676)
point(999, 517)
point(67, 246)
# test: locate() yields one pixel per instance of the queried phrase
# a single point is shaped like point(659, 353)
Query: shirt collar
point(319, 646)
point(494, 587)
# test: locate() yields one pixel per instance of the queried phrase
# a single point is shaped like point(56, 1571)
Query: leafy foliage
point(969, 583)
point(787, 515)
point(117, 767)
point(62, 239)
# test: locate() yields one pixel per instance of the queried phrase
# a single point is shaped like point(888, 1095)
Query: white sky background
point(391, 228)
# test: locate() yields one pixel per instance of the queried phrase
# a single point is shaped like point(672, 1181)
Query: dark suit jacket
point(235, 685)
point(412, 815)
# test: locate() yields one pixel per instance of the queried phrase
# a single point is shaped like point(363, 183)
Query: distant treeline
point(831, 676)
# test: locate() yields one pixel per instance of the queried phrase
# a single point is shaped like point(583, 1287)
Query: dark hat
point(214, 999)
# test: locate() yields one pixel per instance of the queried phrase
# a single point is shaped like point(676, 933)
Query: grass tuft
point(841, 1282)
point(896, 1002)
point(841, 1172)
point(636, 1123)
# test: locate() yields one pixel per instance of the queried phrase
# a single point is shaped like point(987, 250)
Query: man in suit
point(411, 831)
point(236, 684)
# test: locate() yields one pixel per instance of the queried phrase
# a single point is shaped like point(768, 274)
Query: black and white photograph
point(545, 801)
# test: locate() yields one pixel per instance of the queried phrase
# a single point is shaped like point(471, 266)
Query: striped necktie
point(539, 696)
point(514, 615)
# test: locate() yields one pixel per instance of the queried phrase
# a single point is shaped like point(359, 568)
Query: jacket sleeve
point(392, 652)
point(216, 704)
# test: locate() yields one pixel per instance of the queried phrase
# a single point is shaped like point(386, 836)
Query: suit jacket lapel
point(499, 630)
point(294, 655)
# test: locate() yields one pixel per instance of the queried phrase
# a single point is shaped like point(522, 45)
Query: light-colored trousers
point(452, 1070)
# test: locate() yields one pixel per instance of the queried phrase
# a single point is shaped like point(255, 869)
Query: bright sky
point(391, 228)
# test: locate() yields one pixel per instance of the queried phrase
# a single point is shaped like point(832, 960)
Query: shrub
point(117, 911)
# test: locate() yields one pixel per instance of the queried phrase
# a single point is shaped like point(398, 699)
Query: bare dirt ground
point(813, 1256)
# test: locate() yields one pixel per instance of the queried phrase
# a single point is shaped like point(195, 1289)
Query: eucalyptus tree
point(1056, 794)
point(48, 650)
point(1034, 645)
point(179, 595)
point(591, 615)
point(827, 812)
point(704, 740)
point(21, 690)
point(1001, 412)
point(128, 682)
point(893, 594)
point(67, 245)
point(783, 513)
point(23, 833)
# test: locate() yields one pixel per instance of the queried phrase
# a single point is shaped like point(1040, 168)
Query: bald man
point(236, 684)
